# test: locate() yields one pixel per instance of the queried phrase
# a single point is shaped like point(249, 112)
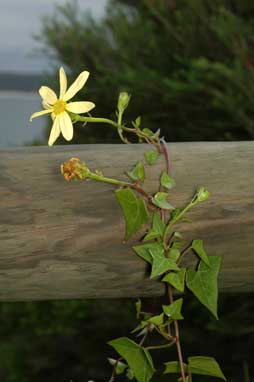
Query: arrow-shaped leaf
point(176, 279)
point(205, 366)
point(144, 250)
point(161, 264)
point(203, 283)
point(138, 172)
point(138, 358)
point(157, 230)
point(174, 367)
point(160, 200)
point(198, 247)
point(167, 181)
point(174, 252)
point(151, 156)
point(134, 210)
point(173, 311)
point(156, 320)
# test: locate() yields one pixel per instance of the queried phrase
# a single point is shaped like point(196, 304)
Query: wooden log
point(63, 239)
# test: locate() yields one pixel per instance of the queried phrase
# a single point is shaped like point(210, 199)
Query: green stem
point(120, 183)
point(79, 118)
point(177, 336)
point(160, 346)
point(101, 178)
point(177, 218)
point(168, 287)
point(118, 125)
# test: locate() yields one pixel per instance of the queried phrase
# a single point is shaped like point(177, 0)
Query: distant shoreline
point(25, 95)
point(19, 82)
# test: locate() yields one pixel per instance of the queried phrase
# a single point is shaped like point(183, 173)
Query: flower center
point(59, 106)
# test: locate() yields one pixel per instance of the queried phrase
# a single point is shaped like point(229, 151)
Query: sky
point(19, 21)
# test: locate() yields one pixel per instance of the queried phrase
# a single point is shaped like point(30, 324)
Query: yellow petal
point(55, 132)
point(80, 107)
point(46, 105)
point(76, 86)
point(66, 125)
point(38, 113)
point(48, 95)
point(63, 82)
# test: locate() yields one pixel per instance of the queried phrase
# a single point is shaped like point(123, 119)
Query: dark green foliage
point(66, 340)
point(188, 64)
point(59, 340)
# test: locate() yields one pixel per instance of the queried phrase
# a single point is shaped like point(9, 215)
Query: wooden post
point(64, 240)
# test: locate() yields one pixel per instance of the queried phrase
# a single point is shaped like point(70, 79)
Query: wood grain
point(63, 240)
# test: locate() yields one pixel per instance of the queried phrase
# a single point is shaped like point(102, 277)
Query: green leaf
point(167, 181)
point(138, 121)
point(174, 367)
point(151, 134)
point(144, 250)
point(138, 358)
point(151, 156)
point(176, 279)
point(148, 132)
point(138, 172)
point(174, 253)
point(205, 366)
point(157, 230)
point(177, 245)
point(134, 210)
point(160, 200)
point(197, 246)
point(203, 283)
point(120, 367)
point(173, 311)
point(158, 225)
point(161, 264)
point(156, 320)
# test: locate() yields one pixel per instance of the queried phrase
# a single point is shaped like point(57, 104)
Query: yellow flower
point(58, 107)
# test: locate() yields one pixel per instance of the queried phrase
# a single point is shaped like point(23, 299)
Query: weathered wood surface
point(63, 240)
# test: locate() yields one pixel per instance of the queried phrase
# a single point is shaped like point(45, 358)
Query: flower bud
point(202, 194)
point(123, 101)
point(74, 169)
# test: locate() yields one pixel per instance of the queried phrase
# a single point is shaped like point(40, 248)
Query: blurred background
point(189, 67)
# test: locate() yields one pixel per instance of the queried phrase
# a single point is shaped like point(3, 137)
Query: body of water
point(15, 128)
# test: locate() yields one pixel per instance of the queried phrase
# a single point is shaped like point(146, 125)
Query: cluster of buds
point(75, 169)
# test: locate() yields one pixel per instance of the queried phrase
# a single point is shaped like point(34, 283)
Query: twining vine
point(163, 246)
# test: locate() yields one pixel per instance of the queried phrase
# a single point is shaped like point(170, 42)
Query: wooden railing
point(63, 240)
